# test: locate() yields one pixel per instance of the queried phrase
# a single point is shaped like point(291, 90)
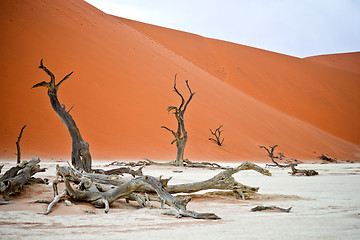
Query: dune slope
point(122, 85)
point(345, 61)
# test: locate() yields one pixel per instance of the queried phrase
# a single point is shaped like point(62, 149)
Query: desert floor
point(326, 206)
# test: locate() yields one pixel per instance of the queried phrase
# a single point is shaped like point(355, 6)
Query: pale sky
point(298, 28)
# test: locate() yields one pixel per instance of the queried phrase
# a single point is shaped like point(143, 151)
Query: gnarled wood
point(222, 180)
point(178, 204)
point(303, 172)
point(80, 155)
point(180, 135)
point(14, 179)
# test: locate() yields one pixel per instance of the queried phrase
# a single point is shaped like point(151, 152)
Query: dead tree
point(180, 135)
point(18, 145)
point(217, 134)
point(80, 155)
point(271, 155)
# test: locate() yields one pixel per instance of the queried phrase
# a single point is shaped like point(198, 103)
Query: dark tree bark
point(18, 145)
point(80, 155)
point(217, 134)
point(180, 135)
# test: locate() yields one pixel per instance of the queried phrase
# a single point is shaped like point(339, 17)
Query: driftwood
point(80, 155)
point(101, 190)
point(180, 135)
point(271, 155)
point(302, 172)
point(217, 134)
point(14, 179)
point(18, 145)
point(271, 208)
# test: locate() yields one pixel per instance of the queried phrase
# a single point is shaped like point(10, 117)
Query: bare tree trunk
point(180, 153)
point(181, 134)
point(80, 155)
point(18, 145)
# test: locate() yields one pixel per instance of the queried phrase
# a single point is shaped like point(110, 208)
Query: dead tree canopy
point(80, 155)
point(180, 135)
point(217, 134)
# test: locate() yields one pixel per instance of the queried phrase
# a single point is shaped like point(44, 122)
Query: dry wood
point(303, 172)
point(272, 208)
point(187, 163)
point(101, 190)
point(180, 135)
point(222, 180)
point(178, 204)
point(80, 155)
point(120, 171)
point(18, 145)
point(14, 179)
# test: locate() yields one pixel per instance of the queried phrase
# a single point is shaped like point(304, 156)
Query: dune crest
point(122, 85)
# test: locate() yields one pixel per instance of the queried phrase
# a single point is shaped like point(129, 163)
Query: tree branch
point(18, 145)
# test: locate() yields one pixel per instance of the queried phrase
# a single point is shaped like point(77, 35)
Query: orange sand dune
point(346, 61)
point(122, 85)
point(295, 86)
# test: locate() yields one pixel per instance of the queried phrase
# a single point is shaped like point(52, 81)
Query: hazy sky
point(298, 28)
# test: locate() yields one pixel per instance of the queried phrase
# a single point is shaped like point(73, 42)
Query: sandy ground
point(326, 206)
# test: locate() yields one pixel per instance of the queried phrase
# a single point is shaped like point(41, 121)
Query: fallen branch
point(272, 208)
point(303, 172)
point(101, 190)
point(14, 179)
